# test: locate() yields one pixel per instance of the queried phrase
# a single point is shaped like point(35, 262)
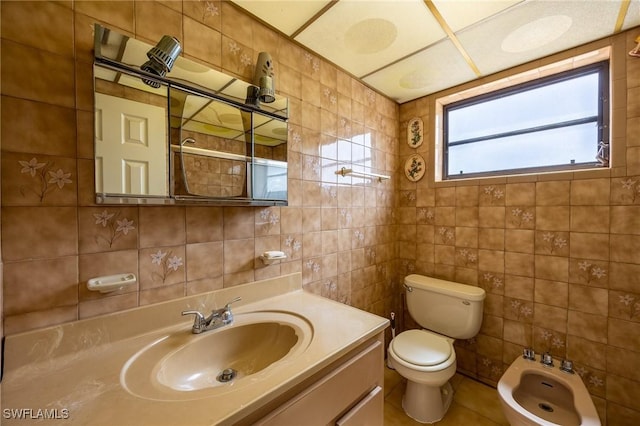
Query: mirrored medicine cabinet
point(191, 139)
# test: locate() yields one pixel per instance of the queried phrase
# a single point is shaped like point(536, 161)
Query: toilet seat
point(421, 348)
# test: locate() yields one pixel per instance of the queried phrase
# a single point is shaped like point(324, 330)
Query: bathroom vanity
point(300, 359)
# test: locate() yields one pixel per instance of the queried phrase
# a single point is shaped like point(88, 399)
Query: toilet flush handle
point(408, 288)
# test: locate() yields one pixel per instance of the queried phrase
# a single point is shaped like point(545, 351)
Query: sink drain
point(546, 407)
point(227, 375)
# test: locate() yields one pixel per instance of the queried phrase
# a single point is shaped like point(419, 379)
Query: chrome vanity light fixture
point(161, 58)
point(263, 89)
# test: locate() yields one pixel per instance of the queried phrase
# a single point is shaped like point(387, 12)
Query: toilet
point(535, 394)
point(426, 358)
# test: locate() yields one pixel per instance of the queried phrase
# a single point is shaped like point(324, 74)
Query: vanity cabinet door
point(341, 391)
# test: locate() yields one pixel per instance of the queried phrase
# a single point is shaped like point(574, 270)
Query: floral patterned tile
point(107, 228)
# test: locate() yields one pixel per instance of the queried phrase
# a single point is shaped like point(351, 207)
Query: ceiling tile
point(434, 69)
point(285, 15)
point(461, 14)
point(532, 30)
point(633, 15)
point(363, 35)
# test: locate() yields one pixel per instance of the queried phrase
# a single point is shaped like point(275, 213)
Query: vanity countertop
point(74, 370)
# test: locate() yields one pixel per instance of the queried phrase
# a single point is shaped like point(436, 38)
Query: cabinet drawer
point(368, 412)
point(339, 390)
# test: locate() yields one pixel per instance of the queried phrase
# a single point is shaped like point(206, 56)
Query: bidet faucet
point(218, 318)
point(546, 359)
point(529, 354)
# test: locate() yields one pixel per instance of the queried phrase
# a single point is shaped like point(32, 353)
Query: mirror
point(187, 138)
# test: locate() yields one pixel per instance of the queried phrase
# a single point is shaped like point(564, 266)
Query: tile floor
point(474, 403)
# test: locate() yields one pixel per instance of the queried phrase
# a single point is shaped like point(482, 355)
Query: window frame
point(601, 68)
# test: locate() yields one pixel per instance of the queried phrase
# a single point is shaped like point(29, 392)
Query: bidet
point(533, 391)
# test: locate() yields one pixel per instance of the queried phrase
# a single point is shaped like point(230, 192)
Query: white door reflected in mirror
point(131, 147)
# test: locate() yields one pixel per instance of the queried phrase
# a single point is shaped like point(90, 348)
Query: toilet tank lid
point(449, 288)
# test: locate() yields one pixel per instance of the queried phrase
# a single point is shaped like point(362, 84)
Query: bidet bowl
point(185, 366)
point(533, 394)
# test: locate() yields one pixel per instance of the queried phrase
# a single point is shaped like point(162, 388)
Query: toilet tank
point(446, 307)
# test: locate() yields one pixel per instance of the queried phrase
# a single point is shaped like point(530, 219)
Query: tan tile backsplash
point(558, 254)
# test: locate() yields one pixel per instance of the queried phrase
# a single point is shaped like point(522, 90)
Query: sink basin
point(181, 365)
point(547, 398)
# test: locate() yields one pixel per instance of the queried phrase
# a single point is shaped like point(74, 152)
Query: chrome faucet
point(218, 318)
point(546, 359)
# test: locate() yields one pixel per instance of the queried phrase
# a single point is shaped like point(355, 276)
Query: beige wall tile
point(30, 180)
point(107, 228)
point(40, 285)
point(625, 248)
point(589, 299)
point(42, 232)
point(587, 352)
point(553, 193)
point(119, 14)
point(550, 317)
point(624, 276)
point(30, 23)
point(589, 246)
point(106, 305)
point(161, 226)
point(589, 326)
point(161, 267)
point(203, 42)
point(518, 332)
point(491, 239)
point(590, 192)
point(520, 194)
point(21, 63)
point(153, 20)
point(491, 217)
point(519, 264)
point(204, 260)
point(625, 220)
point(552, 268)
point(38, 128)
point(590, 218)
point(555, 218)
point(554, 293)
point(519, 240)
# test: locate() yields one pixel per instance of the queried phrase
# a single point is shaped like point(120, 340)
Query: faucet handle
point(198, 321)
point(228, 305)
point(529, 353)
point(227, 315)
point(566, 366)
point(546, 359)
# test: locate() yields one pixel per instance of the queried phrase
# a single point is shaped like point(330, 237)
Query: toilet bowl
point(533, 394)
point(426, 357)
point(427, 360)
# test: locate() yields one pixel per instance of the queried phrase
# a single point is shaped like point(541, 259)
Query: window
point(560, 122)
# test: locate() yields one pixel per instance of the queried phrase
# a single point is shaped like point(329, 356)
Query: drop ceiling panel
point(362, 35)
point(461, 14)
point(633, 15)
point(437, 68)
point(533, 30)
point(285, 15)
point(399, 48)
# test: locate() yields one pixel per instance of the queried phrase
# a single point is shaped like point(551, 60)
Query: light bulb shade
point(161, 58)
point(263, 78)
point(267, 92)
